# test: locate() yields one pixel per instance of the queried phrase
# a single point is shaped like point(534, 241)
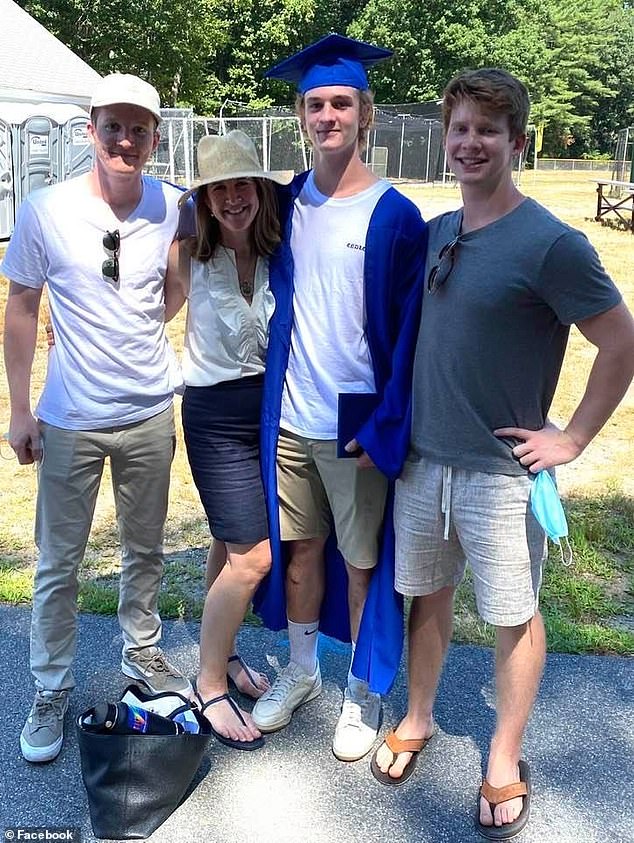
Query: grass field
point(588, 607)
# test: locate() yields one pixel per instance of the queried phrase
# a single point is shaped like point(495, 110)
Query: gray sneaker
point(43, 732)
point(292, 688)
point(150, 666)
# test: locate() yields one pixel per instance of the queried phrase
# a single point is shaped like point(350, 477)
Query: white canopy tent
point(45, 92)
point(35, 66)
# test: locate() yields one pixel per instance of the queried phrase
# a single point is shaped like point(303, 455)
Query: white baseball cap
point(128, 89)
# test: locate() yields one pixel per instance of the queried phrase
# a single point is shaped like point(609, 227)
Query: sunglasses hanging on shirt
point(112, 245)
point(439, 273)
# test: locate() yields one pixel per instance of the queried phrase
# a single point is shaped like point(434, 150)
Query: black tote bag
point(134, 782)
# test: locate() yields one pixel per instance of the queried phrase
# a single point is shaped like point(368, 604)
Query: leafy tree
point(263, 33)
point(575, 57)
point(616, 111)
point(560, 50)
point(167, 42)
point(576, 36)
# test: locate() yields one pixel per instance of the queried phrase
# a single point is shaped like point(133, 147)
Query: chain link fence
point(405, 143)
point(623, 164)
point(278, 140)
point(406, 146)
point(400, 145)
point(574, 164)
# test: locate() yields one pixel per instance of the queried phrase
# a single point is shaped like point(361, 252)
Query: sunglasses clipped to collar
point(439, 273)
point(112, 245)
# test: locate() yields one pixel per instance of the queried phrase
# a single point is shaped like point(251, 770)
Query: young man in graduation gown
point(348, 285)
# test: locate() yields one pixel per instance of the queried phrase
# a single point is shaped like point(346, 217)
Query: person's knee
point(306, 552)
point(251, 566)
point(359, 580)
point(511, 634)
point(259, 565)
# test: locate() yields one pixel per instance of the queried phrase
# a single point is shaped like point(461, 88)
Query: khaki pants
point(69, 477)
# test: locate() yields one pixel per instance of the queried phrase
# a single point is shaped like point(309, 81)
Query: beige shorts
point(315, 488)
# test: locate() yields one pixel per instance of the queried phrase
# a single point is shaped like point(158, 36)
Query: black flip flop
point(396, 746)
point(256, 743)
point(496, 795)
point(247, 670)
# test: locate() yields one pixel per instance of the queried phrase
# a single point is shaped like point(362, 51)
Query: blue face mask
point(547, 509)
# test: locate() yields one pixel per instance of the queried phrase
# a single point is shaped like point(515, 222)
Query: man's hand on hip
point(543, 448)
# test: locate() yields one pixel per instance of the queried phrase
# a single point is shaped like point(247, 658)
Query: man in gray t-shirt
point(493, 338)
point(505, 280)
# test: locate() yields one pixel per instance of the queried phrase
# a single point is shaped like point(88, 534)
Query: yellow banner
point(539, 137)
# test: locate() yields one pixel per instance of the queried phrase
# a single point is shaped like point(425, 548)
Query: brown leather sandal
point(496, 796)
point(396, 746)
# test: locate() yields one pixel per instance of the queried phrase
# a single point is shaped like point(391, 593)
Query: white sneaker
point(358, 725)
point(292, 688)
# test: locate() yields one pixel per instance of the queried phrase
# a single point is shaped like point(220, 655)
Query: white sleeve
point(25, 261)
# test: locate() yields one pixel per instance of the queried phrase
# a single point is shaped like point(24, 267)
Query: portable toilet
point(47, 143)
point(77, 151)
point(7, 212)
point(35, 156)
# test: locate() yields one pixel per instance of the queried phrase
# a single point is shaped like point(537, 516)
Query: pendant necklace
point(247, 279)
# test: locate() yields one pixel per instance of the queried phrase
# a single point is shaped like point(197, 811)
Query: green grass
point(16, 583)
point(588, 608)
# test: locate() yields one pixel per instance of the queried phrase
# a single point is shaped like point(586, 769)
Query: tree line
point(575, 56)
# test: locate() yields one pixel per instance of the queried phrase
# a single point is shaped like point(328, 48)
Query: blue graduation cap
point(333, 60)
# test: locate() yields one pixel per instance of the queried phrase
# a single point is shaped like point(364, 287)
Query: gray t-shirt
point(493, 336)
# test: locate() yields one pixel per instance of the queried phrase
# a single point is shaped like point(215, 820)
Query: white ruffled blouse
point(225, 337)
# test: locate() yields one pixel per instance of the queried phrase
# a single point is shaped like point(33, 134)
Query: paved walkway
point(580, 744)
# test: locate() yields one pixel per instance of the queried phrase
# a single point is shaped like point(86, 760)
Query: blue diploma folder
point(353, 411)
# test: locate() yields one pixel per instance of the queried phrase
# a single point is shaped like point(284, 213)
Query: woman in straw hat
point(223, 273)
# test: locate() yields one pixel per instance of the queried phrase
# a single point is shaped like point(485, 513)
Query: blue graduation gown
point(394, 263)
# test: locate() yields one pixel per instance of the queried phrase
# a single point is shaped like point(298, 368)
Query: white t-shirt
point(329, 349)
point(111, 361)
point(225, 338)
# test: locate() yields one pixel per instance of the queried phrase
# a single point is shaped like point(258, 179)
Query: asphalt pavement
point(580, 745)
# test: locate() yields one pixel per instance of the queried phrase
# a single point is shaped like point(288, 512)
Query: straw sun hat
point(230, 156)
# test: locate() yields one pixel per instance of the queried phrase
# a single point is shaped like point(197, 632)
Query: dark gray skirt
point(221, 424)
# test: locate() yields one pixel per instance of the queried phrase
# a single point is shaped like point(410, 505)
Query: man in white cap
point(338, 376)
point(99, 243)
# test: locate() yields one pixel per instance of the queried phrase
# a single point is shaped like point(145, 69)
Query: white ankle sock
point(302, 638)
